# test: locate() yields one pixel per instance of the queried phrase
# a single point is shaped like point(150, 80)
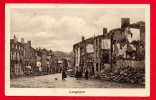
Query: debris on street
point(127, 74)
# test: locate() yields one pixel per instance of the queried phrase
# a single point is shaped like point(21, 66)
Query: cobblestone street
point(49, 81)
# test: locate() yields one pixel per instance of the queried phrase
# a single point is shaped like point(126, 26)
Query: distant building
point(51, 62)
point(16, 57)
point(30, 57)
point(38, 55)
point(46, 59)
point(24, 59)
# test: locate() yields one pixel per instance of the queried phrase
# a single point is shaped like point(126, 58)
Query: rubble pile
point(127, 74)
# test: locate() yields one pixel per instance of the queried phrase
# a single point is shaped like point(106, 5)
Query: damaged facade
point(125, 46)
point(102, 53)
point(84, 55)
point(117, 48)
point(93, 53)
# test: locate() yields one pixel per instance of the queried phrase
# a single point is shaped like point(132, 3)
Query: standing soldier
point(63, 74)
point(77, 73)
point(86, 74)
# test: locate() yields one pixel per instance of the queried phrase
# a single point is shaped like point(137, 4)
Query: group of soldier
point(78, 74)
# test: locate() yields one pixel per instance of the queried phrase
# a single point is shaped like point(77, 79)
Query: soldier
point(63, 74)
point(86, 73)
point(77, 73)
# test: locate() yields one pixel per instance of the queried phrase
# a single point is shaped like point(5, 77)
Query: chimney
point(104, 30)
point(105, 33)
point(29, 42)
point(125, 22)
point(22, 40)
point(83, 38)
point(37, 49)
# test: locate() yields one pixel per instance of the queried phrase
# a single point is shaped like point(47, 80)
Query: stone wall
point(133, 63)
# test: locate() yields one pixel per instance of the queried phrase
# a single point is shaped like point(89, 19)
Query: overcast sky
point(60, 28)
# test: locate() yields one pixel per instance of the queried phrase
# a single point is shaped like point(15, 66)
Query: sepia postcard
point(77, 50)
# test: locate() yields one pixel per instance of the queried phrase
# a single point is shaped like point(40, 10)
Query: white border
point(65, 91)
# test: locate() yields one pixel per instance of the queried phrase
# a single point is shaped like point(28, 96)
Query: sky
point(60, 28)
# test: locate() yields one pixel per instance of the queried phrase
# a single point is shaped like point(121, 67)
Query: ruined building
point(84, 54)
point(124, 45)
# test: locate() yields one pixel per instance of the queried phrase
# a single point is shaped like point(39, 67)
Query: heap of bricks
point(126, 75)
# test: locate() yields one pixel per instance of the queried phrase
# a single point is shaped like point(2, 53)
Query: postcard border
point(65, 92)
